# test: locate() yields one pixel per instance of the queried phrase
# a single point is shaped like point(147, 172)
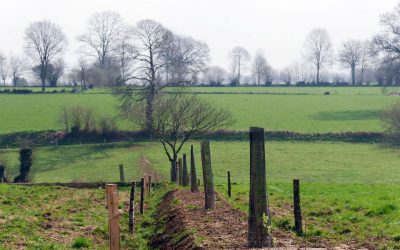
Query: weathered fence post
point(121, 173)
point(207, 175)
point(113, 215)
point(229, 185)
point(194, 187)
point(259, 219)
point(297, 209)
point(132, 208)
point(180, 172)
point(185, 174)
point(177, 172)
point(142, 187)
point(149, 185)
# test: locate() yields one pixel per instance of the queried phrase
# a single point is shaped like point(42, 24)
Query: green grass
point(347, 109)
point(349, 191)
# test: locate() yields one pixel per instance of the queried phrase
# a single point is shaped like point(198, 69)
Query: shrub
point(26, 161)
point(108, 125)
point(391, 121)
point(63, 91)
point(82, 242)
point(327, 93)
point(78, 119)
point(54, 91)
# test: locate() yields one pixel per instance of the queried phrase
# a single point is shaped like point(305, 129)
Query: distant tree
point(17, 67)
point(3, 69)
point(126, 54)
point(287, 75)
point(391, 121)
point(44, 41)
point(351, 55)
point(56, 70)
point(367, 55)
point(239, 56)
point(318, 50)
point(215, 75)
point(388, 40)
point(260, 66)
point(81, 73)
point(158, 51)
point(102, 36)
point(184, 59)
point(178, 118)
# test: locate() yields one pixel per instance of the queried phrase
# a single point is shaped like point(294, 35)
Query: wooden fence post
point(180, 172)
point(207, 175)
point(142, 187)
point(297, 209)
point(229, 185)
point(194, 187)
point(121, 173)
point(113, 215)
point(185, 174)
point(149, 185)
point(259, 220)
point(132, 208)
point(177, 172)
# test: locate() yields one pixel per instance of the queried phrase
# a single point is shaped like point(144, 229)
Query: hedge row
point(48, 138)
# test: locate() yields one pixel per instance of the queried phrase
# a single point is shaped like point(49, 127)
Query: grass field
point(349, 191)
point(347, 109)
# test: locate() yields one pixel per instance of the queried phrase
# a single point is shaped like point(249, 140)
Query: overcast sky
point(278, 27)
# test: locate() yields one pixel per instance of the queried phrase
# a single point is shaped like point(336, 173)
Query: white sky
point(278, 27)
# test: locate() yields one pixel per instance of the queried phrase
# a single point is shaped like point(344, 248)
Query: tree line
point(113, 52)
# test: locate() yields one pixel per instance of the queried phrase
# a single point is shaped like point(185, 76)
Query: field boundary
point(47, 138)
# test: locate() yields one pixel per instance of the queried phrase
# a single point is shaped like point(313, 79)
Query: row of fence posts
point(259, 218)
point(112, 206)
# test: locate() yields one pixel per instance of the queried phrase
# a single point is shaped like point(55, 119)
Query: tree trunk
point(353, 74)
point(318, 74)
point(173, 170)
point(149, 108)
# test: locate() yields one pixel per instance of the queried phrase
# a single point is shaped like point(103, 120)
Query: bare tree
point(159, 50)
point(318, 50)
point(185, 58)
point(260, 66)
point(3, 69)
point(350, 55)
point(126, 54)
point(102, 36)
point(367, 54)
point(56, 70)
point(391, 121)
point(17, 67)
point(215, 75)
point(239, 57)
point(178, 118)
point(44, 41)
point(287, 75)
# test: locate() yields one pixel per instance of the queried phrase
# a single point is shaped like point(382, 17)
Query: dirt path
point(222, 228)
point(145, 168)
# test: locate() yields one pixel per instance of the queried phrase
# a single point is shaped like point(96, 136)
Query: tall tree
point(3, 69)
point(159, 50)
point(17, 67)
point(102, 36)
point(350, 55)
point(239, 56)
point(44, 41)
point(318, 50)
point(260, 66)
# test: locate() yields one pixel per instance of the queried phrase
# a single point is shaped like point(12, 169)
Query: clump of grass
point(283, 224)
point(383, 210)
point(82, 242)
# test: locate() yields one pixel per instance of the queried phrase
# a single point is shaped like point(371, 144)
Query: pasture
point(341, 196)
point(349, 190)
point(346, 109)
